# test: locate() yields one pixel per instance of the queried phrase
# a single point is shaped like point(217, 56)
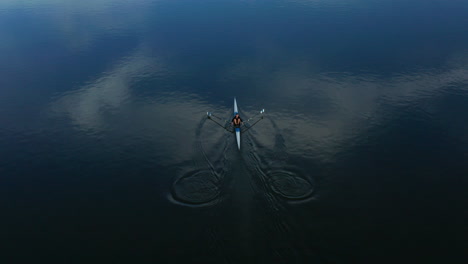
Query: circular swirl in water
point(290, 186)
point(197, 187)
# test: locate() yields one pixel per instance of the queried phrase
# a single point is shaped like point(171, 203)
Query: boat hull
point(237, 129)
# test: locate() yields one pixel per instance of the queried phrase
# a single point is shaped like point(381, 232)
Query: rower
point(237, 121)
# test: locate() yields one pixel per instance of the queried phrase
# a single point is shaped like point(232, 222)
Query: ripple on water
point(289, 185)
point(197, 187)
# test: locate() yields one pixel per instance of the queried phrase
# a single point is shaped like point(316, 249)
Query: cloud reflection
point(320, 113)
point(111, 104)
point(317, 113)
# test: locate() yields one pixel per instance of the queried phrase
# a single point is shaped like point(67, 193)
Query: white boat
point(236, 130)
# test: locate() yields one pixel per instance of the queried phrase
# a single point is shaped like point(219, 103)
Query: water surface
point(106, 152)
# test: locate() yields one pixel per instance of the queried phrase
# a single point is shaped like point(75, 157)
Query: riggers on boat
point(238, 130)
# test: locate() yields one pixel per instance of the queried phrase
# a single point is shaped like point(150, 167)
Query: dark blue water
point(106, 153)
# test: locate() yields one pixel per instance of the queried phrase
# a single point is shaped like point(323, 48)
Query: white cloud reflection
point(110, 91)
point(165, 120)
point(318, 113)
point(322, 113)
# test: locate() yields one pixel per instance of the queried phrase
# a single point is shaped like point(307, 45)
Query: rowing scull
point(237, 129)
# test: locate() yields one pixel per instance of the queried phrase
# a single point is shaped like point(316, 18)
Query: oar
point(209, 115)
point(260, 119)
point(261, 112)
point(252, 125)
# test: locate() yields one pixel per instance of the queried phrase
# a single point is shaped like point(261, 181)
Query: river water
point(107, 154)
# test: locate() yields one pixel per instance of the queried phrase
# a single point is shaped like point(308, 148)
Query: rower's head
point(237, 115)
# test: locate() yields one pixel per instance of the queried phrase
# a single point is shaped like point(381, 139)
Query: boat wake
point(200, 183)
point(252, 188)
point(275, 166)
